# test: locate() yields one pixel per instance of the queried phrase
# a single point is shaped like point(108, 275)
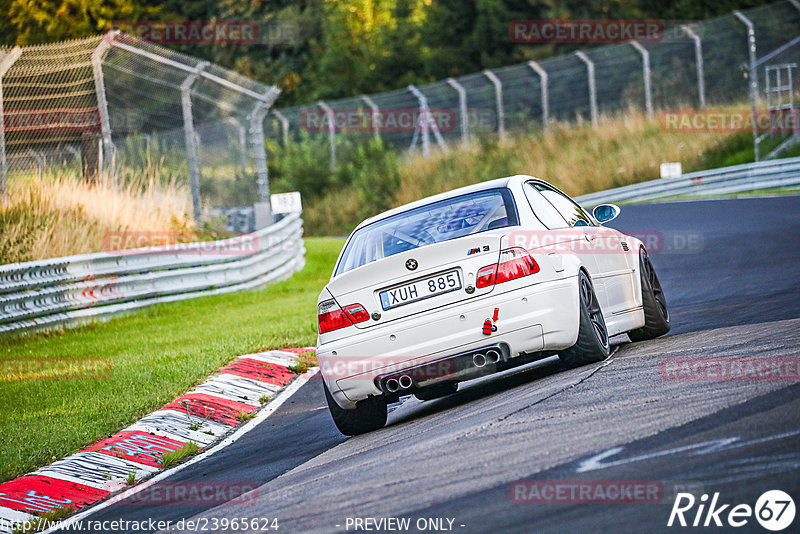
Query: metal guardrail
point(71, 290)
point(747, 177)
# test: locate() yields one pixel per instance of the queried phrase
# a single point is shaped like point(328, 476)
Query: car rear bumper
point(532, 318)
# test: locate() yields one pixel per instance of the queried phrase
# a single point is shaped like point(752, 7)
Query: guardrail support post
point(376, 115)
point(284, 125)
point(498, 97)
point(5, 63)
point(192, 149)
point(698, 60)
point(545, 96)
point(648, 96)
point(331, 130)
point(752, 76)
point(462, 108)
point(108, 148)
point(592, 88)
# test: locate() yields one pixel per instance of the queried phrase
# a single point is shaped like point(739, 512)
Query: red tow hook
point(489, 325)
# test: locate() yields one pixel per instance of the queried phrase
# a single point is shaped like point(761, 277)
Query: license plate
point(421, 289)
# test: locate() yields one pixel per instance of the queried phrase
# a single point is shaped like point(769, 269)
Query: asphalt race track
point(731, 273)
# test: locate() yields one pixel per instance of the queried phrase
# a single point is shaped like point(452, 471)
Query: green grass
point(175, 457)
point(156, 354)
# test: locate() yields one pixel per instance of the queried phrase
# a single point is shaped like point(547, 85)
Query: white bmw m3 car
point(472, 282)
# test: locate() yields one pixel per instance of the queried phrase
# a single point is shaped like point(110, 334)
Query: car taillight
point(356, 312)
point(514, 263)
point(486, 276)
point(331, 317)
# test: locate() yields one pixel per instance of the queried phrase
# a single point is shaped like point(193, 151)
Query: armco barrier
point(64, 291)
point(747, 177)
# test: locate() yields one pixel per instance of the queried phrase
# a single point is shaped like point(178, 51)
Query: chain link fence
point(692, 66)
point(121, 110)
point(117, 109)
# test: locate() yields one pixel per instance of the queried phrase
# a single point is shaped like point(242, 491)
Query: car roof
point(482, 186)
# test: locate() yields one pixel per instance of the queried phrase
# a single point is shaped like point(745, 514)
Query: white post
point(331, 130)
point(376, 115)
point(545, 96)
point(284, 125)
point(256, 130)
point(5, 64)
point(462, 108)
point(98, 56)
point(498, 96)
point(698, 59)
point(592, 90)
point(192, 149)
point(753, 76)
point(648, 97)
point(421, 125)
point(424, 123)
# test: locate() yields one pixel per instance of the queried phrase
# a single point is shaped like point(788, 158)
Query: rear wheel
point(368, 415)
point(436, 391)
point(592, 344)
point(656, 315)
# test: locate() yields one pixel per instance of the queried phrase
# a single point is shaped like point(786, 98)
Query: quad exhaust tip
point(492, 356)
point(393, 385)
point(479, 359)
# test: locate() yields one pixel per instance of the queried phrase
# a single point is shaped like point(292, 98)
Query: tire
point(368, 415)
point(656, 314)
point(592, 344)
point(436, 391)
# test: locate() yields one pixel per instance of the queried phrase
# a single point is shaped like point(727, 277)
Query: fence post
point(698, 60)
point(98, 55)
point(256, 120)
point(543, 80)
point(592, 90)
point(192, 152)
point(462, 108)
point(752, 75)
point(376, 115)
point(284, 125)
point(424, 123)
point(648, 97)
point(498, 96)
point(331, 130)
point(5, 64)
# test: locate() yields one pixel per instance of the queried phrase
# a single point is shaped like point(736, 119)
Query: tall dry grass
point(578, 159)
point(60, 215)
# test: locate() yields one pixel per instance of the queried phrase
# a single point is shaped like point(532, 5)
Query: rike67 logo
point(774, 510)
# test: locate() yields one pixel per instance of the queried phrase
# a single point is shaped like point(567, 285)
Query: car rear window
point(426, 225)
